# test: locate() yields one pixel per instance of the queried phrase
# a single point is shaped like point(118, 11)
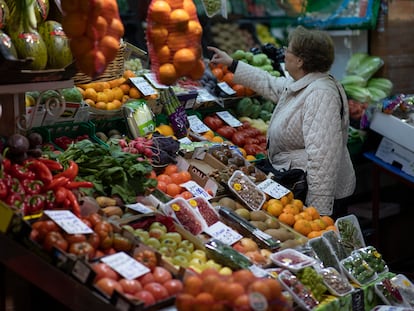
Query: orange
point(331, 227)
point(173, 189)
point(239, 89)
point(175, 4)
point(184, 176)
point(101, 97)
point(243, 276)
point(129, 74)
point(116, 28)
point(287, 218)
point(118, 93)
point(158, 35)
point(109, 46)
point(134, 92)
point(179, 18)
point(285, 200)
point(249, 91)
point(74, 24)
point(218, 73)
point(302, 226)
point(209, 134)
point(275, 288)
point(81, 46)
point(315, 226)
point(167, 74)
point(177, 40)
point(109, 95)
point(90, 93)
point(165, 178)
point(184, 302)
point(298, 203)
point(305, 215)
point(203, 301)
point(275, 209)
point(314, 234)
point(125, 88)
point(96, 30)
point(217, 139)
point(260, 287)
point(163, 54)
point(290, 208)
point(159, 12)
point(228, 78)
point(170, 169)
point(192, 284)
point(190, 8)
point(186, 195)
point(312, 211)
point(328, 220)
point(198, 70)
point(184, 60)
point(101, 105)
point(194, 30)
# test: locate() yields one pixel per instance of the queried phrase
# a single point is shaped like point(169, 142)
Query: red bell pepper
point(42, 172)
point(15, 199)
point(33, 204)
point(21, 172)
point(32, 186)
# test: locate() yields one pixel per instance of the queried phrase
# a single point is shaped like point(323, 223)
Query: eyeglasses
point(286, 50)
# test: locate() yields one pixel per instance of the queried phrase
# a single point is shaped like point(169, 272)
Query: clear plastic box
point(337, 284)
point(245, 189)
point(292, 259)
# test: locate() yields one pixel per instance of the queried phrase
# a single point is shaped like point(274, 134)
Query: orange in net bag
point(94, 28)
point(174, 40)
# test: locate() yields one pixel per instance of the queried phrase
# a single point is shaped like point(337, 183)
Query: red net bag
point(94, 28)
point(174, 40)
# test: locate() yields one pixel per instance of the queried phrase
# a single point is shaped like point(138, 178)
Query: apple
point(142, 234)
point(180, 260)
point(184, 252)
point(166, 251)
point(174, 236)
point(156, 233)
point(153, 242)
point(186, 244)
point(196, 262)
point(225, 271)
point(246, 245)
point(212, 264)
point(158, 225)
point(199, 254)
point(128, 228)
point(169, 243)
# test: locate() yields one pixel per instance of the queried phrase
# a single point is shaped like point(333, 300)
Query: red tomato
point(74, 238)
point(226, 131)
point(130, 286)
point(146, 278)
point(252, 149)
point(238, 138)
point(157, 290)
point(55, 239)
point(94, 240)
point(173, 286)
point(82, 249)
point(103, 270)
point(146, 297)
point(108, 286)
point(251, 140)
point(161, 274)
point(213, 122)
point(261, 138)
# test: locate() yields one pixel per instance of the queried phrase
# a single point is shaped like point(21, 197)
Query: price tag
point(229, 118)
point(226, 88)
point(223, 233)
point(185, 140)
point(140, 208)
point(196, 125)
point(258, 272)
point(153, 80)
point(125, 265)
point(272, 188)
point(205, 96)
point(143, 86)
point(81, 271)
point(68, 222)
point(6, 216)
point(196, 190)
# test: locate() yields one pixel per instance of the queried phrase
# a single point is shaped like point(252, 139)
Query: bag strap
point(340, 96)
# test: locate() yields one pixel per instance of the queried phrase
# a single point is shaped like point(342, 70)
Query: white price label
point(153, 80)
point(68, 222)
point(272, 188)
point(196, 190)
point(229, 118)
point(258, 271)
point(196, 125)
point(125, 265)
point(223, 233)
point(226, 88)
point(143, 86)
point(140, 208)
point(185, 140)
point(205, 96)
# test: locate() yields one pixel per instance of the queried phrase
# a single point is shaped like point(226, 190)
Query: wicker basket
point(114, 70)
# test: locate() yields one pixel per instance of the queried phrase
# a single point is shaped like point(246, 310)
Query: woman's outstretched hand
point(220, 57)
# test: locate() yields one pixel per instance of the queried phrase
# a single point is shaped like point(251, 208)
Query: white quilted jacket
point(307, 131)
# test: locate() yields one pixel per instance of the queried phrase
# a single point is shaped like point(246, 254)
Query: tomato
point(130, 286)
point(108, 286)
point(238, 138)
point(146, 297)
point(173, 286)
point(121, 243)
point(157, 290)
point(251, 140)
point(55, 239)
point(82, 249)
point(252, 149)
point(226, 131)
point(94, 218)
point(94, 239)
point(213, 122)
point(161, 274)
point(74, 238)
point(146, 278)
point(103, 270)
point(45, 226)
point(102, 226)
point(147, 258)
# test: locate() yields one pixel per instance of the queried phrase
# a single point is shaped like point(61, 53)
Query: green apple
point(225, 271)
point(196, 262)
point(167, 251)
point(199, 254)
point(212, 264)
point(128, 228)
point(180, 260)
point(153, 242)
point(156, 233)
point(187, 244)
point(158, 225)
point(174, 236)
point(184, 252)
point(142, 234)
point(169, 243)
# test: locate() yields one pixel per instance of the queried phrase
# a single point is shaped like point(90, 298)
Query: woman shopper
point(309, 126)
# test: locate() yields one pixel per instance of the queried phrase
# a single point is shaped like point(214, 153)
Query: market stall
point(129, 178)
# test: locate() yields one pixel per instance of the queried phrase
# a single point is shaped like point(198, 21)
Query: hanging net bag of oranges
point(174, 40)
point(94, 28)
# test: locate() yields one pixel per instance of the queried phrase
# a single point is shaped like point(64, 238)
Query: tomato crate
point(63, 134)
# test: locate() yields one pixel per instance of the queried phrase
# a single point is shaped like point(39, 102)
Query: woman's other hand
point(220, 57)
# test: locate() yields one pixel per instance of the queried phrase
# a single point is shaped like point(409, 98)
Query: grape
point(313, 281)
point(212, 6)
point(133, 64)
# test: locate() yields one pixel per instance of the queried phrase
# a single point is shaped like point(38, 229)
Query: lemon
point(165, 130)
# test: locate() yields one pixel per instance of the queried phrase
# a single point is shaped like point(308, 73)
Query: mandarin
point(287, 218)
point(173, 189)
point(170, 169)
point(159, 11)
point(302, 226)
point(311, 210)
point(328, 220)
point(167, 74)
